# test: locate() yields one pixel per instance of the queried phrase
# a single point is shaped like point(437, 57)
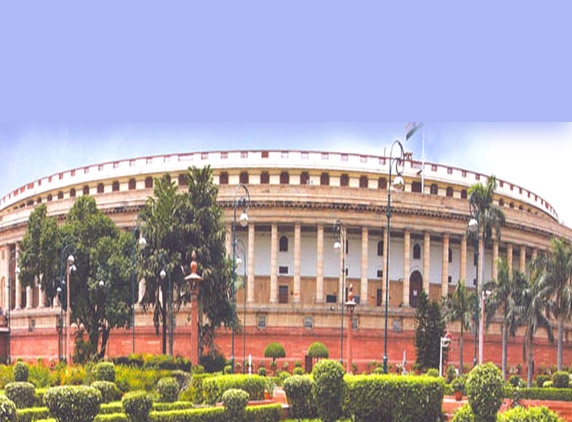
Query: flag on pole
point(411, 128)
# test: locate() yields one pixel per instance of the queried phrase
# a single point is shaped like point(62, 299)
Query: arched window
point(223, 178)
point(60, 195)
point(449, 191)
point(132, 184)
point(86, 190)
point(380, 248)
point(304, 178)
point(148, 183)
point(284, 178)
point(100, 188)
point(416, 187)
point(363, 182)
point(382, 183)
point(244, 177)
point(434, 189)
point(416, 251)
point(115, 186)
point(72, 193)
point(344, 180)
point(325, 179)
point(463, 194)
point(183, 180)
point(264, 178)
point(283, 244)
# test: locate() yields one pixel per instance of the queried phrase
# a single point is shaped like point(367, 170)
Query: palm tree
point(555, 285)
point(532, 309)
point(489, 216)
point(506, 293)
point(457, 307)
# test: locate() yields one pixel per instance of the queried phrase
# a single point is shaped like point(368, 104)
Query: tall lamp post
point(484, 295)
point(13, 259)
point(166, 272)
point(194, 280)
point(137, 240)
point(70, 267)
point(241, 200)
point(351, 305)
point(340, 236)
point(242, 259)
point(398, 185)
point(474, 228)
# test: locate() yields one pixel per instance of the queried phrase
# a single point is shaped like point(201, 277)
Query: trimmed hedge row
point(393, 397)
point(213, 388)
point(536, 393)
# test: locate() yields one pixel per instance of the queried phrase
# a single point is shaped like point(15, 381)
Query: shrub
point(274, 350)
point(168, 389)
point(532, 414)
point(541, 379)
point(458, 383)
point(70, 403)
point(262, 371)
point(183, 379)
point(214, 387)
point(318, 350)
point(235, 401)
point(40, 376)
point(105, 371)
point(561, 379)
point(298, 391)
point(327, 389)
point(21, 371)
point(213, 362)
point(137, 405)
point(7, 410)
point(23, 394)
point(432, 372)
point(545, 393)
point(283, 376)
point(298, 371)
point(485, 391)
point(463, 414)
point(266, 413)
point(194, 392)
point(109, 391)
point(515, 381)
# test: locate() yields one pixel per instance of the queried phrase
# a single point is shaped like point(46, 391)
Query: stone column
point(29, 297)
point(509, 258)
point(426, 261)
point(274, 264)
point(297, 249)
point(445, 266)
point(320, 264)
point(534, 254)
point(463, 269)
point(42, 297)
point(406, 266)
point(228, 240)
point(7, 277)
point(250, 287)
point(522, 262)
point(17, 287)
point(495, 259)
point(364, 261)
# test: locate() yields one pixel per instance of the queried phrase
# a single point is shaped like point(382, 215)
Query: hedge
point(535, 393)
point(214, 387)
point(32, 414)
point(393, 397)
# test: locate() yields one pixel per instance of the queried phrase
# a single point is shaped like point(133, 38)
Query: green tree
point(176, 224)
point(429, 328)
point(274, 350)
point(457, 306)
point(490, 218)
point(506, 294)
point(554, 285)
point(101, 254)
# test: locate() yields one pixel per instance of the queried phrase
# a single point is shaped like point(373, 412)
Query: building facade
point(296, 281)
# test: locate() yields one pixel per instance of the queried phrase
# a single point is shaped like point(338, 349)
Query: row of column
point(364, 262)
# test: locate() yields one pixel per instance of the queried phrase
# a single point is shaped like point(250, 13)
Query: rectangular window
point(378, 297)
point(261, 321)
point(379, 273)
point(283, 269)
point(331, 298)
point(308, 322)
point(282, 294)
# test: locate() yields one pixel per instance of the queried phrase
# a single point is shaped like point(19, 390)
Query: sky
point(532, 155)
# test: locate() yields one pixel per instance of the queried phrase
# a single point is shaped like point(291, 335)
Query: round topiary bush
point(235, 401)
point(463, 414)
point(541, 379)
point(109, 391)
point(105, 371)
point(23, 394)
point(485, 391)
point(168, 389)
point(561, 379)
point(318, 350)
point(21, 371)
point(137, 405)
point(73, 403)
point(432, 372)
point(274, 350)
point(298, 371)
point(298, 391)
point(327, 389)
point(515, 381)
point(532, 414)
point(7, 410)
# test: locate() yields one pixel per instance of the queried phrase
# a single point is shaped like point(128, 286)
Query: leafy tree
point(318, 350)
point(457, 306)
point(101, 253)
point(489, 216)
point(506, 294)
point(429, 328)
point(555, 286)
point(274, 350)
point(176, 224)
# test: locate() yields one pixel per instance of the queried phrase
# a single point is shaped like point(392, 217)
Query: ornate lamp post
point(242, 260)
point(474, 228)
point(350, 304)
point(484, 295)
point(194, 280)
point(340, 243)
point(70, 267)
point(398, 185)
point(137, 240)
point(166, 272)
point(242, 200)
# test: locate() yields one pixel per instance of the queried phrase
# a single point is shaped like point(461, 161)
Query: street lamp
point(350, 304)
point(339, 231)
point(444, 344)
point(242, 259)
point(137, 240)
point(474, 229)
point(484, 295)
point(70, 267)
point(13, 259)
point(194, 279)
point(242, 200)
point(398, 185)
point(166, 272)
point(60, 325)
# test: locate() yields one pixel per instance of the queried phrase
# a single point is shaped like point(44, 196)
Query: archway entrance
point(415, 286)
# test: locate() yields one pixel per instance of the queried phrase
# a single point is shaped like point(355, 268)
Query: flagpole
point(423, 160)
